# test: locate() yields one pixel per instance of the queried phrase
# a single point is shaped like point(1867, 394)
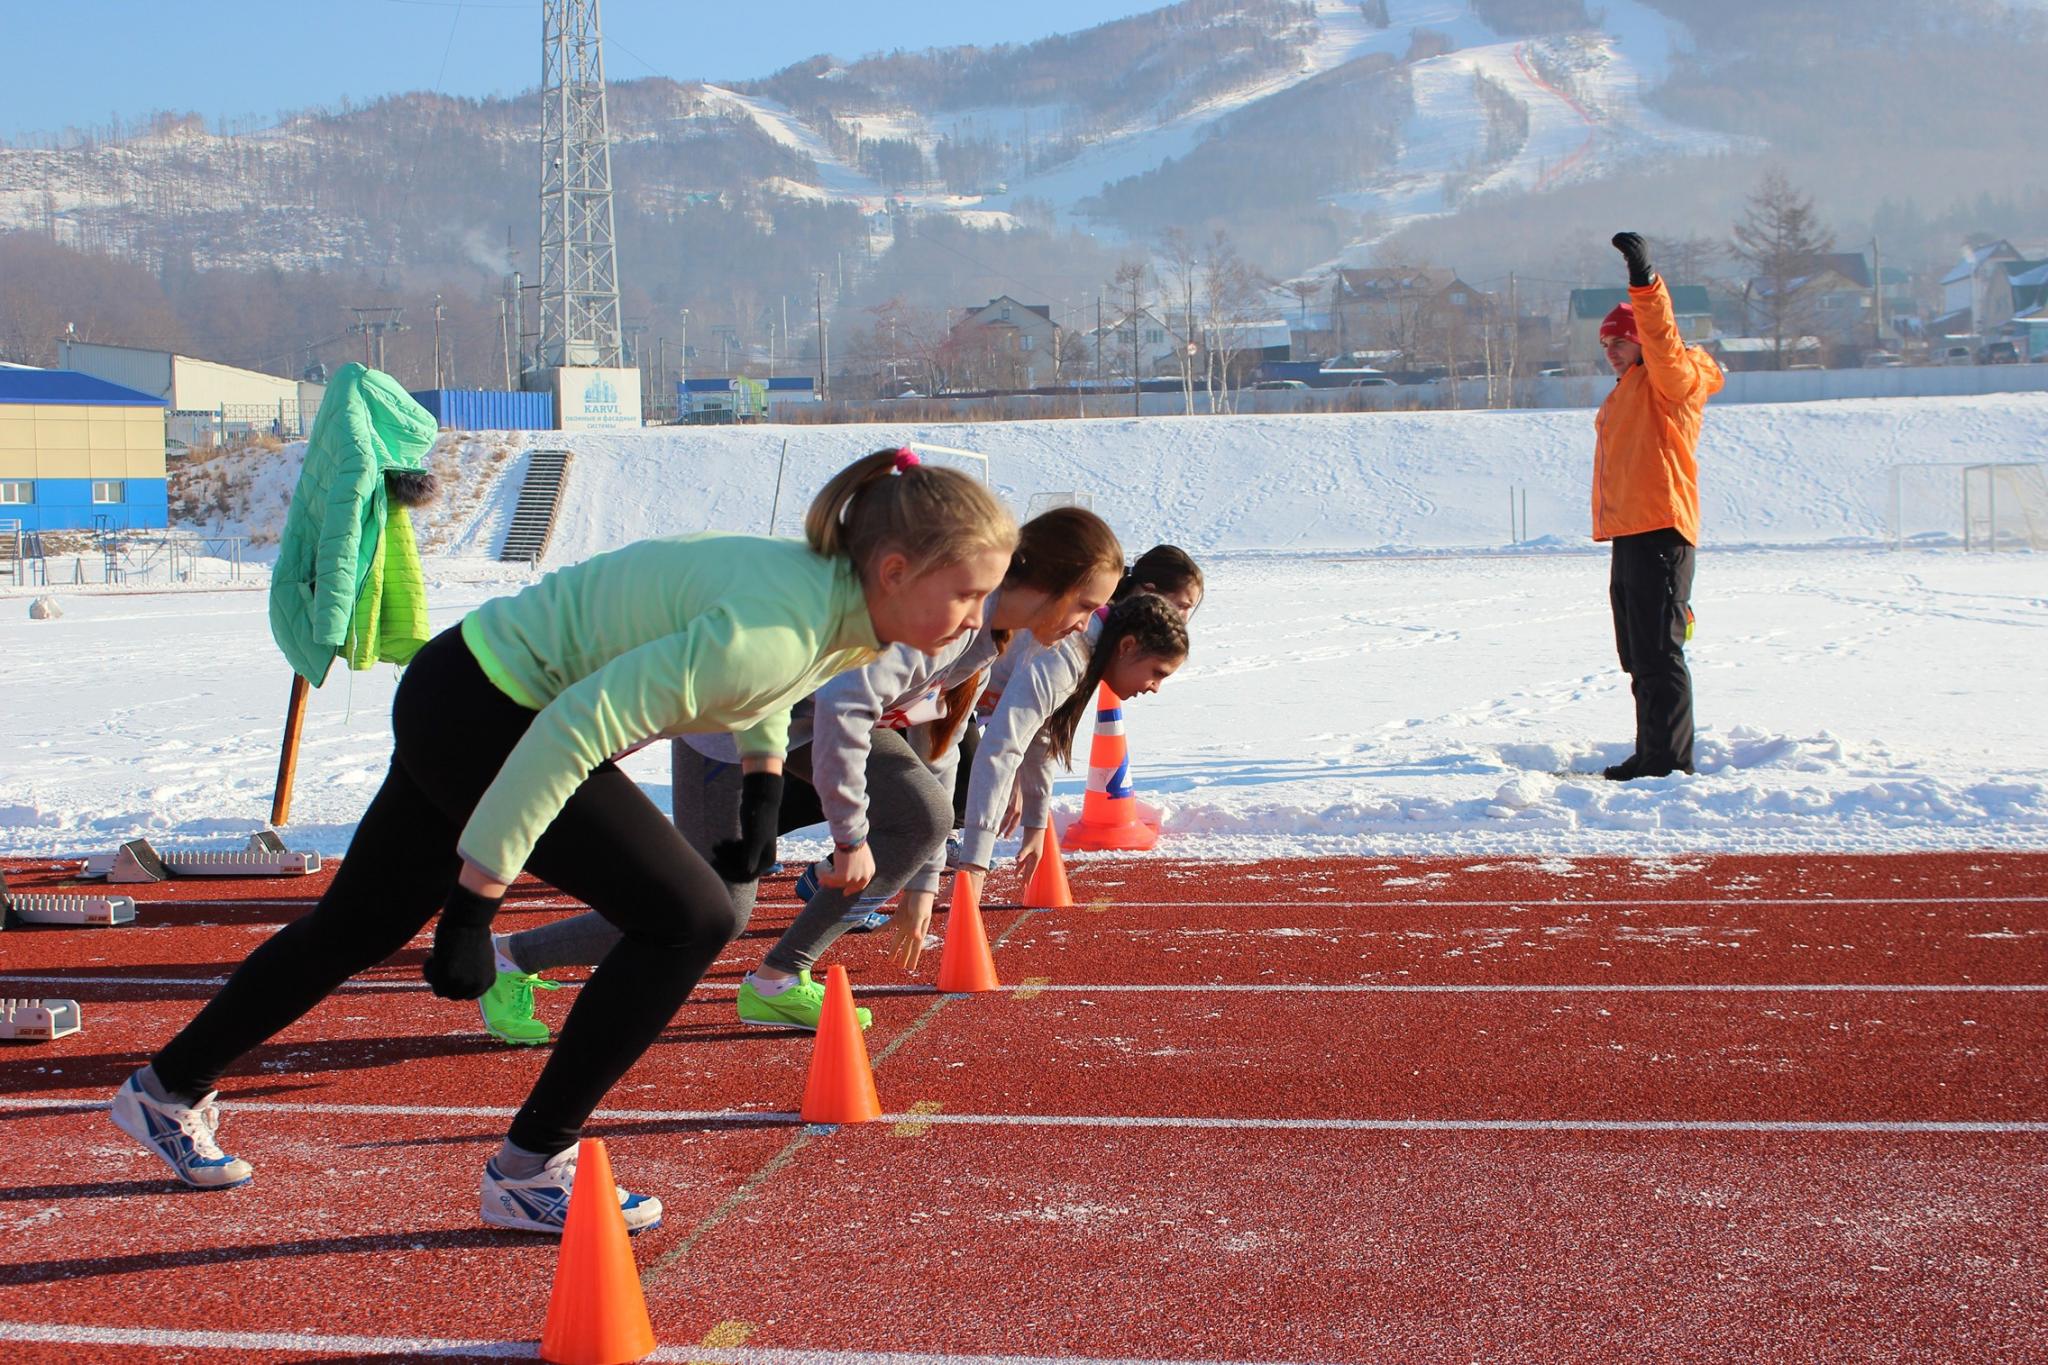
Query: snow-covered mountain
point(1361, 117)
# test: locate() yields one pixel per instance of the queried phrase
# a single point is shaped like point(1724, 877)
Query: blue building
point(78, 452)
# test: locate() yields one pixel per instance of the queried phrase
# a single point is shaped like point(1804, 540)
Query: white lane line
point(1634, 903)
point(765, 1118)
point(1645, 902)
point(65, 1334)
point(1212, 988)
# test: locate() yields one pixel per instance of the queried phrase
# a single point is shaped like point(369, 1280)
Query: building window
point(1155, 335)
point(1028, 342)
point(1006, 313)
point(110, 490)
point(17, 491)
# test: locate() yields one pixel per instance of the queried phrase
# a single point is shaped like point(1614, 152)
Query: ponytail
point(1161, 632)
point(891, 500)
point(958, 703)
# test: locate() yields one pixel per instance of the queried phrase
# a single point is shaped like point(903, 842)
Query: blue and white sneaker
point(953, 850)
point(866, 915)
point(181, 1134)
point(540, 1203)
point(807, 881)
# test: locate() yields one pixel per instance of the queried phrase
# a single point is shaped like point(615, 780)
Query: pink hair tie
point(906, 458)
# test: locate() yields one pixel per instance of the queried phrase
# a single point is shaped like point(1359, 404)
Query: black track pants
point(1650, 588)
point(610, 847)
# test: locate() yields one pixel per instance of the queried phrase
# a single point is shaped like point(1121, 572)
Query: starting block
point(265, 856)
point(38, 1021)
point(58, 908)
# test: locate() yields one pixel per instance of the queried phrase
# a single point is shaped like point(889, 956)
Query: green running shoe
point(797, 1007)
point(508, 1009)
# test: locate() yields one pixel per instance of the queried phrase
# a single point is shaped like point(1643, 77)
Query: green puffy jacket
point(367, 426)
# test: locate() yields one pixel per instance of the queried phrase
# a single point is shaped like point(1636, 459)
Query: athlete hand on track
point(1029, 852)
point(852, 869)
point(912, 923)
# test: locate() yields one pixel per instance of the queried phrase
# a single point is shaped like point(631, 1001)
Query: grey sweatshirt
point(838, 720)
point(1014, 745)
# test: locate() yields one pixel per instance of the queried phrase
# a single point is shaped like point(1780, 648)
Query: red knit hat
point(1620, 323)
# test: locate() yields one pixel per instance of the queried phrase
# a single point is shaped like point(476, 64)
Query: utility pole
point(372, 324)
point(1098, 343)
point(505, 336)
point(437, 341)
point(1876, 296)
point(824, 364)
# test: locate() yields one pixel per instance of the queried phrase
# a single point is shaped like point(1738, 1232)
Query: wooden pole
point(288, 761)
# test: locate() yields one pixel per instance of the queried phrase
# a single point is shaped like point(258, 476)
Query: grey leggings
point(910, 811)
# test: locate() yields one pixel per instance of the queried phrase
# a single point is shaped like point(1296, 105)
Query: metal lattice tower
point(579, 269)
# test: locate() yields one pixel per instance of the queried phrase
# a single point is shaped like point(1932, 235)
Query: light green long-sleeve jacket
point(680, 635)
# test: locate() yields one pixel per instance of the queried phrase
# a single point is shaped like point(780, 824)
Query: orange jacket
point(1645, 474)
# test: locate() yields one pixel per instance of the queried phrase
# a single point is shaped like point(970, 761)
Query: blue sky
point(83, 62)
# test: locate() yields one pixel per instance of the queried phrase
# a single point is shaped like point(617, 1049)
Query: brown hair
point(888, 501)
point(1161, 632)
point(1163, 569)
point(1056, 552)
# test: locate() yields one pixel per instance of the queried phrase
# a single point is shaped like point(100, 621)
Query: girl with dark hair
point(505, 732)
point(1133, 647)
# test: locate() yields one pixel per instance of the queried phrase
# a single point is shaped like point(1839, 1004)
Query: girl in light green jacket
point(506, 729)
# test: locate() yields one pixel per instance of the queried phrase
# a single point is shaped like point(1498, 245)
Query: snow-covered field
point(1373, 671)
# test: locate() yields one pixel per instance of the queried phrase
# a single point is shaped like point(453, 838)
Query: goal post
point(788, 480)
point(1981, 506)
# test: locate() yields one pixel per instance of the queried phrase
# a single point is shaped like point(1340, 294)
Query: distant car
point(2001, 353)
point(1805, 365)
point(1880, 360)
point(1956, 355)
point(1282, 385)
point(1381, 382)
point(1554, 372)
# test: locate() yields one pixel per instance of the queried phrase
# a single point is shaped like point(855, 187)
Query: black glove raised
point(462, 965)
point(1636, 252)
point(746, 858)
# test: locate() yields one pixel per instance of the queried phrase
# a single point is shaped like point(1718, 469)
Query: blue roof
point(69, 386)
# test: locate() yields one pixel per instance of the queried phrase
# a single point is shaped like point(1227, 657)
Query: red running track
point(1722, 1109)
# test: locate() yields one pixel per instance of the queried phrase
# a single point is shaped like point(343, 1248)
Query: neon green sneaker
point(508, 1009)
point(797, 1007)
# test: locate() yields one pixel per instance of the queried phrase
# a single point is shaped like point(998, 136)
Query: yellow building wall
point(74, 441)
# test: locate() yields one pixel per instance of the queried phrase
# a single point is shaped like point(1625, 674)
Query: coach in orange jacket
point(1646, 499)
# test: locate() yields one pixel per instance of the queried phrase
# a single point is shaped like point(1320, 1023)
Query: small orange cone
point(841, 1087)
point(966, 965)
point(1048, 888)
point(1111, 817)
point(597, 1315)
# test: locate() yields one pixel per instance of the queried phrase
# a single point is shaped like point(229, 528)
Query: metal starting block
point(38, 1021)
point(56, 908)
point(265, 856)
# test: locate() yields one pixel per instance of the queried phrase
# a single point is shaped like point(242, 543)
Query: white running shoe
point(540, 1203)
point(181, 1134)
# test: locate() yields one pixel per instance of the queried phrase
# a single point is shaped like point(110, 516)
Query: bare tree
point(1230, 290)
point(1178, 276)
point(1779, 238)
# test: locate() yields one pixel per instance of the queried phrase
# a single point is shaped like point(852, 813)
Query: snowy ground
point(1848, 700)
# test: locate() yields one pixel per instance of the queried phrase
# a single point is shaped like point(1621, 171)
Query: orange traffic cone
point(841, 1088)
point(597, 1315)
point(1110, 815)
point(1048, 888)
point(966, 965)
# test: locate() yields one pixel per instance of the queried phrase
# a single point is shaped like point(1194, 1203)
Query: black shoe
point(1626, 770)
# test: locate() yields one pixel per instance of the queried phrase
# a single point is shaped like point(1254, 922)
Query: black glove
point(746, 858)
point(1636, 252)
point(462, 965)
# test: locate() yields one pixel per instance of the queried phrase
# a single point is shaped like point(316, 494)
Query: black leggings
point(610, 847)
